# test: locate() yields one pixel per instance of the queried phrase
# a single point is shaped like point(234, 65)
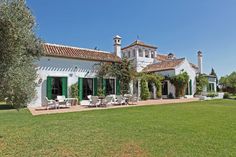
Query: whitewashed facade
point(63, 66)
point(145, 56)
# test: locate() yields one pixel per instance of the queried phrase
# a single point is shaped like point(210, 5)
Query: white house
point(62, 66)
point(147, 59)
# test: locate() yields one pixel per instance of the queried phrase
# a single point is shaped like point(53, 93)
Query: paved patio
point(42, 110)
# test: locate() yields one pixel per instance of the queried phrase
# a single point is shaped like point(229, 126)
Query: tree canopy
point(228, 83)
point(19, 47)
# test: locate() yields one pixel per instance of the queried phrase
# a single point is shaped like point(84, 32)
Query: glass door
point(87, 87)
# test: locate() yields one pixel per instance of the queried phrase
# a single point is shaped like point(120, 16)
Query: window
point(146, 54)
point(211, 87)
point(133, 53)
point(140, 52)
point(152, 54)
point(128, 54)
point(110, 86)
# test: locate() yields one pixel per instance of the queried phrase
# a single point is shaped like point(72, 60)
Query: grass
point(192, 129)
point(232, 96)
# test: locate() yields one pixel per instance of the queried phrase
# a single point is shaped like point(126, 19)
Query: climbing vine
point(153, 79)
point(180, 82)
point(201, 82)
point(145, 94)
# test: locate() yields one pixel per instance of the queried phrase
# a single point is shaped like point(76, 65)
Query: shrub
point(145, 94)
point(201, 82)
point(74, 91)
point(226, 95)
point(101, 92)
point(212, 95)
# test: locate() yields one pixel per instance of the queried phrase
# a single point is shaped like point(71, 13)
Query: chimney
point(117, 45)
point(200, 69)
point(171, 56)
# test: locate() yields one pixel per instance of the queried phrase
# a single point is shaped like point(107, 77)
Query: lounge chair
point(51, 103)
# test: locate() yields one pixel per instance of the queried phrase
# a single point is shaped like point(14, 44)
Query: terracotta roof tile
point(78, 53)
point(161, 58)
point(194, 66)
point(140, 43)
point(164, 65)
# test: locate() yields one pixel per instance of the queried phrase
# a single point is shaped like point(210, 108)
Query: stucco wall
point(140, 62)
point(191, 72)
point(61, 67)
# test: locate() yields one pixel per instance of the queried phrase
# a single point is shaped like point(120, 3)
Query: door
point(56, 86)
point(110, 86)
point(87, 88)
point(165, 88)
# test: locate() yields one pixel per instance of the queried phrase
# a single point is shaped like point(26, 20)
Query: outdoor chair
point(94, 101)
point(127, 98)
point(120, 100)
point(109, 100)
point(63, 102)
point(89, 98)
point(51, 103)
point(133, 100)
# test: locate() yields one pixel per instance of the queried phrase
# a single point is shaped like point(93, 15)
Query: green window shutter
point(80, 88)
point(64, 86)
point(117, 87)
point(95, 86)
point(104, 86)
point(49, 87)
point(190, 86)
point(186, 90)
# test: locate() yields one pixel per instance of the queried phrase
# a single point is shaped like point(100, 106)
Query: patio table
point(101, 98)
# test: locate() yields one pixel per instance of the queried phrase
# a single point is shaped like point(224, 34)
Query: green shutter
point(186, 90)
point(104, 86)
point(191, 90)
point(80, 88)
point(49, 87)
point(95, 86)
point(117, 87)
point(64, 86)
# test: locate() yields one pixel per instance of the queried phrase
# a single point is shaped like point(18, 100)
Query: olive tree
point(20, 48)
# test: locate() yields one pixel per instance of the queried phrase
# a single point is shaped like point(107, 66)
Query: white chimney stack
point(200, 68)
point(117, 45)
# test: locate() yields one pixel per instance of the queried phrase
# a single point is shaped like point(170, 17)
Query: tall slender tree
point(20, 48)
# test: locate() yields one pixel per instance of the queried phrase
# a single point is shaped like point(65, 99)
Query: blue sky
point(179, 26)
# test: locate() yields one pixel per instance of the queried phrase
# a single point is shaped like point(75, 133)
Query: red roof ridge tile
point(74, 47)
point(57, 50)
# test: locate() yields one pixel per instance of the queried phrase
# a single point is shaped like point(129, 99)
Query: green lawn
point(233, 96)
point(193, 129)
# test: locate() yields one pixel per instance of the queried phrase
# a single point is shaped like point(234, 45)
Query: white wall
point(61, 67)
point(191, 72)
point(140, 62)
